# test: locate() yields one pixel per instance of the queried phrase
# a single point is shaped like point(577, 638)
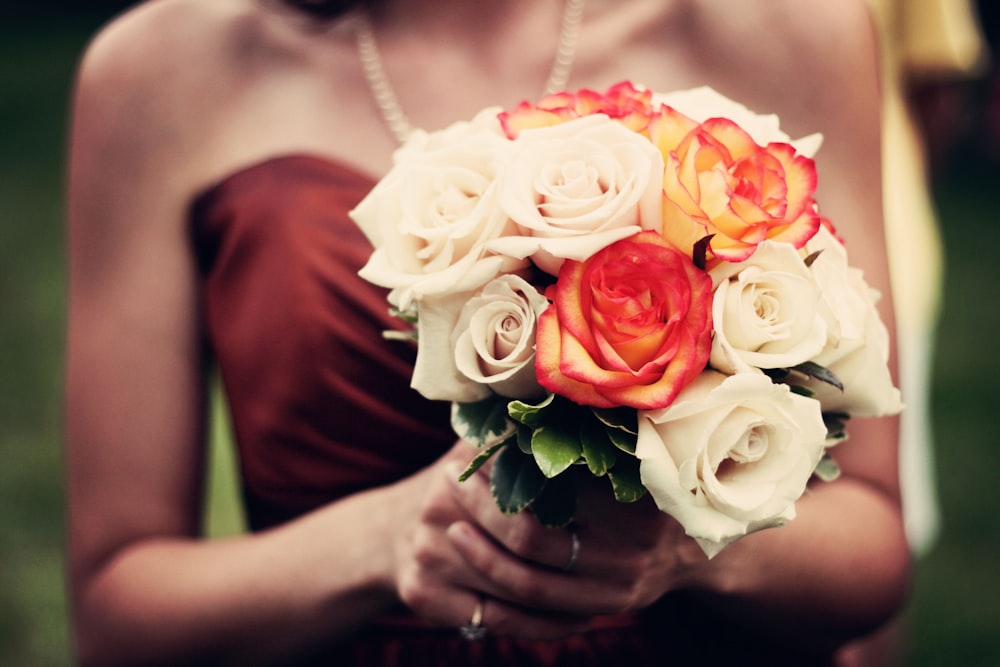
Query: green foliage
point(625, 481)
point(516, 481)
point(480, 459)
point(800, 372)
point(827, 468)
point(621, 427)
point(836, 426)
point(555, 506)
point(535, 463)
point(817, 372)
point(801, 391)
point(556, 446)
point(530, 414)
point(598, 451)
point(483, 423)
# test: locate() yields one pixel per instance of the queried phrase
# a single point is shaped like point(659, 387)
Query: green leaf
point(409, 315)
point(524, 434)
point(827, 469)
point(625, 480)
point(598, 450)
point(530, 414)
point(836, 426)
point(622, 440)
point(777, 375)
point(516, 480)
point(483, 423)
point(622, 419)
point(481, 458)
point(819, 373)
point(556, 447)
point(556, 505)
point(802, 391)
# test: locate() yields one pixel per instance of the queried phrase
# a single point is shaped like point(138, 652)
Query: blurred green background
point(955, 612)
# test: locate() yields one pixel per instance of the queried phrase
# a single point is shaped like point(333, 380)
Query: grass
point(956, 603)
point(955, 612)
point(35, 70)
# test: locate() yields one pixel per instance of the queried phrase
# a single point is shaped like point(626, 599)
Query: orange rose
point(622, 102)
point(630, 326)
point(719, 181)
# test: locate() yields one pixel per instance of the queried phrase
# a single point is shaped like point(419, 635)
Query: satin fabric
point(321, 404)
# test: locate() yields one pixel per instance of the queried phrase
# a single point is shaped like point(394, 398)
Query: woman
point(216, 149)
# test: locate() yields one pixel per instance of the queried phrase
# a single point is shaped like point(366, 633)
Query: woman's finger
point(521, 534)
point(507, 576)
point(498, 617)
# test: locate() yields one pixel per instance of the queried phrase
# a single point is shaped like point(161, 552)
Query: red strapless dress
point(321, 406)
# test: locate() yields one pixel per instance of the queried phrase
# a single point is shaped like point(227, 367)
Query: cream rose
point(577, 187)
point(432, 215)
point(730, 456)
point(857, 348)
point(766, 311)
point(472, 344)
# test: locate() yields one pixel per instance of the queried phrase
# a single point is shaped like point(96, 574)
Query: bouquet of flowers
point(636, 286)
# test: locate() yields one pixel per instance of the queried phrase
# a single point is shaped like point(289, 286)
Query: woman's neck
point(476, 22)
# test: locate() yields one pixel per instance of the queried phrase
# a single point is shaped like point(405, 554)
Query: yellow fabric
point(937, 37)
point(918, 40)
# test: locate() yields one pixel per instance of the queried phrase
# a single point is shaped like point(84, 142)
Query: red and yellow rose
point(630, 326)
point(718, 181)
point(631, 106)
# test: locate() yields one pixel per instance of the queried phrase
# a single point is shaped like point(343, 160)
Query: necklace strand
point(385, 97)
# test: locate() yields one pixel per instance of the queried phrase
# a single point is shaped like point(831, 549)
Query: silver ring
point(474, 630)
point(574, 550)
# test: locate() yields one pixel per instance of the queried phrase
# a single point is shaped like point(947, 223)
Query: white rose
point(470, 344)
point(700, 104)
point(730, 456)
point(421, 142)
point(431, 216)
point(577, 187)
point(857, 349)
point(766, 311)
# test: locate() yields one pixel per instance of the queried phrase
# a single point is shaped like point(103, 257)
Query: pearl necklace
point(385, 97)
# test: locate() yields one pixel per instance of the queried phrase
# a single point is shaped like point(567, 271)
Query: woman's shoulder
point(198, 88)
point(156, 34)
point(168, 48)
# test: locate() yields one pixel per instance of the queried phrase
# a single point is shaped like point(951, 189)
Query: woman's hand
point(628, 555)
point(442, 577)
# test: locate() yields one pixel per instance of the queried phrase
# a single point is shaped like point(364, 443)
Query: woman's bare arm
point(145, 589)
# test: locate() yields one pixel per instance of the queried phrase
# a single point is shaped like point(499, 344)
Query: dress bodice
point(320, 401)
